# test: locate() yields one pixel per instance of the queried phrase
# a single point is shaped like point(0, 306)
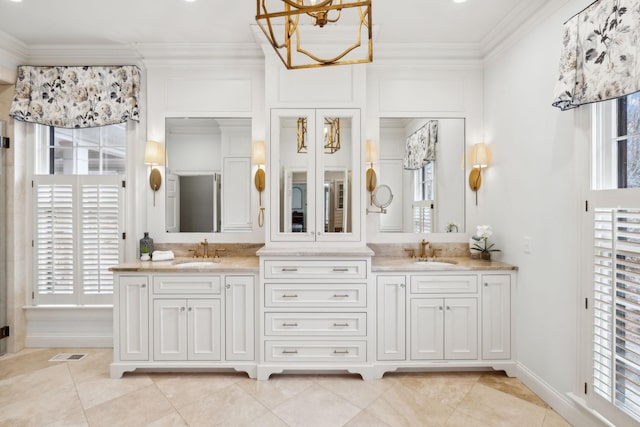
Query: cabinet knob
point(181, 308)
point(228, 286)
point(440, 308)
point(402, 285)
point(486, 284)
point(448, 308)
point(144, 285)
point(190, 308)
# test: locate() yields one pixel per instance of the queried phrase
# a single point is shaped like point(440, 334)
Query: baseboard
point(570, 409)
point(68, 341)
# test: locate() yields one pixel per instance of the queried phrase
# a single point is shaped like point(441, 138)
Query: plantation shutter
point(616, 309)
point(423, 216)
point(54, 240)
point(100, 237)
point(78, 237)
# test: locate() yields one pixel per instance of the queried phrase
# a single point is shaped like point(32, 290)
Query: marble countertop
point(397, 264)
point(243, 264)
point(329, 251)
point(250, 264)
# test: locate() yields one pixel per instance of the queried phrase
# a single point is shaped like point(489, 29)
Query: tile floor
point(36, 392)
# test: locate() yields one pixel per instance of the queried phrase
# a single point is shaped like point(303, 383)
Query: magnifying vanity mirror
point(203, 152)
point(429, 197)
point(381, 198)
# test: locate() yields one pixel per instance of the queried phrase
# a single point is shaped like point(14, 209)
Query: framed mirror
point(429, 195)
point(208, 174)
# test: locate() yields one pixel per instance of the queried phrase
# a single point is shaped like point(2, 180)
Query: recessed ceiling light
point(459, 1)
point(16, 1)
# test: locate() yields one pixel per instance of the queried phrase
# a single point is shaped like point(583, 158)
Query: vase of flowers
point(479, 243)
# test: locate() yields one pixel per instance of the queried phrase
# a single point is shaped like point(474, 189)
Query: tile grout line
point(75, 387)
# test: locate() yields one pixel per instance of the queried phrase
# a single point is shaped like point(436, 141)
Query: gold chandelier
point(335, 31)
point(331, 135)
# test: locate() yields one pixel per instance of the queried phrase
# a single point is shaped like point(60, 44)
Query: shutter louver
point(54, 240)
point(423, 216)
point(100, 237)
point(616, 368)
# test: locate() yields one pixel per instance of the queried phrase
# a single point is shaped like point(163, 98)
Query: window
point(613, 309)
point(423, 198)
point(78, 213)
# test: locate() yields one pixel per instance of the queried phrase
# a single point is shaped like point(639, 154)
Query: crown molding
point(411, 53)
point(77, 54)
point(518, 23)
point(12, 51)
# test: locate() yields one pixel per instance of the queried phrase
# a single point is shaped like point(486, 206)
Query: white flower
point(483, 232)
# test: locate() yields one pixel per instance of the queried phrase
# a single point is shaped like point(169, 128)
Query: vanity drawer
point(191, 284)
point(316, 324)
point(295, 269)
point(315, 351)
point(316, 295)
point(444, 284)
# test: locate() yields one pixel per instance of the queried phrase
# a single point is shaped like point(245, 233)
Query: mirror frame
point(156, 215)
point(374, 235)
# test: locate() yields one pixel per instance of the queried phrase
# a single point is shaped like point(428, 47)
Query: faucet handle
point(435, 251)
point(412, 252)
point(216, 253)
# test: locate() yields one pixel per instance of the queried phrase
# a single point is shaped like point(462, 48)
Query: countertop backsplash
point(182, 250)
point(445, 250)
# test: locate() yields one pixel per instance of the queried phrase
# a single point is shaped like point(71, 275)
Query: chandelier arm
point(301, 6)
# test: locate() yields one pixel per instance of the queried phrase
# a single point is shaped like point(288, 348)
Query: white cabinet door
point(133, 318)
point(461, 329)
point(496, 316)
point(427, 328)
point(391, 317)
point(304, 147)
point(240, 325)
point(204, 326)
point(170, 329)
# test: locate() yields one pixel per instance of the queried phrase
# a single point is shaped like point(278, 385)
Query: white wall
point(532, 189)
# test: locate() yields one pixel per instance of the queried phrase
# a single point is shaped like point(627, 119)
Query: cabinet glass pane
point(295, 191)
point(337, 160)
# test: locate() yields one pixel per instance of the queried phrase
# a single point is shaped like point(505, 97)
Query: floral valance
point(421, 146)
point(76, 97)
point(600, 52)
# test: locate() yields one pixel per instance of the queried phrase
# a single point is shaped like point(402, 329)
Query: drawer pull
point(341, 325)
point(341, 352)
point(341, 295)
point(290, 296)
point(340, 270)
point(290, 325)
point(289, 351)
point(289, 270)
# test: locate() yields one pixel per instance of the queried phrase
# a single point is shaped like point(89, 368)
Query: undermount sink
point(431, 263)
point(187, 264)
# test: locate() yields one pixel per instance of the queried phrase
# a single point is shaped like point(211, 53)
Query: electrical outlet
point(526, 245)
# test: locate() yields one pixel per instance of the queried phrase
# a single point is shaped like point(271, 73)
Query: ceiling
point(41, 23)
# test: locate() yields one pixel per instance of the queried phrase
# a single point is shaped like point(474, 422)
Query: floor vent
point(68, 357)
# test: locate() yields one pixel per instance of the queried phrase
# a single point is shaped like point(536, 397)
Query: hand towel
point(162, 256)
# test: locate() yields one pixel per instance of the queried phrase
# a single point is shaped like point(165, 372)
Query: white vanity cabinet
point(315, 314)
point(178, 321)
point(456, 319)
point(132, 314)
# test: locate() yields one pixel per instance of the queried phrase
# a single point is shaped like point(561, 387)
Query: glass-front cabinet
point(315, 175)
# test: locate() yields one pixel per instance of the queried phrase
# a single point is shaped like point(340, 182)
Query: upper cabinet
point(315, 175)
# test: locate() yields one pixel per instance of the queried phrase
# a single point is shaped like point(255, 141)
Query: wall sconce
point(154, 156)
point(371, 155)
point(259, 158)
point(479, 159)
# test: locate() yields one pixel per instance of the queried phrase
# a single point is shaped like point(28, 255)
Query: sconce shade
point(154, 153)
point(480, 155)
point(371, 151)
point(259, 154)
